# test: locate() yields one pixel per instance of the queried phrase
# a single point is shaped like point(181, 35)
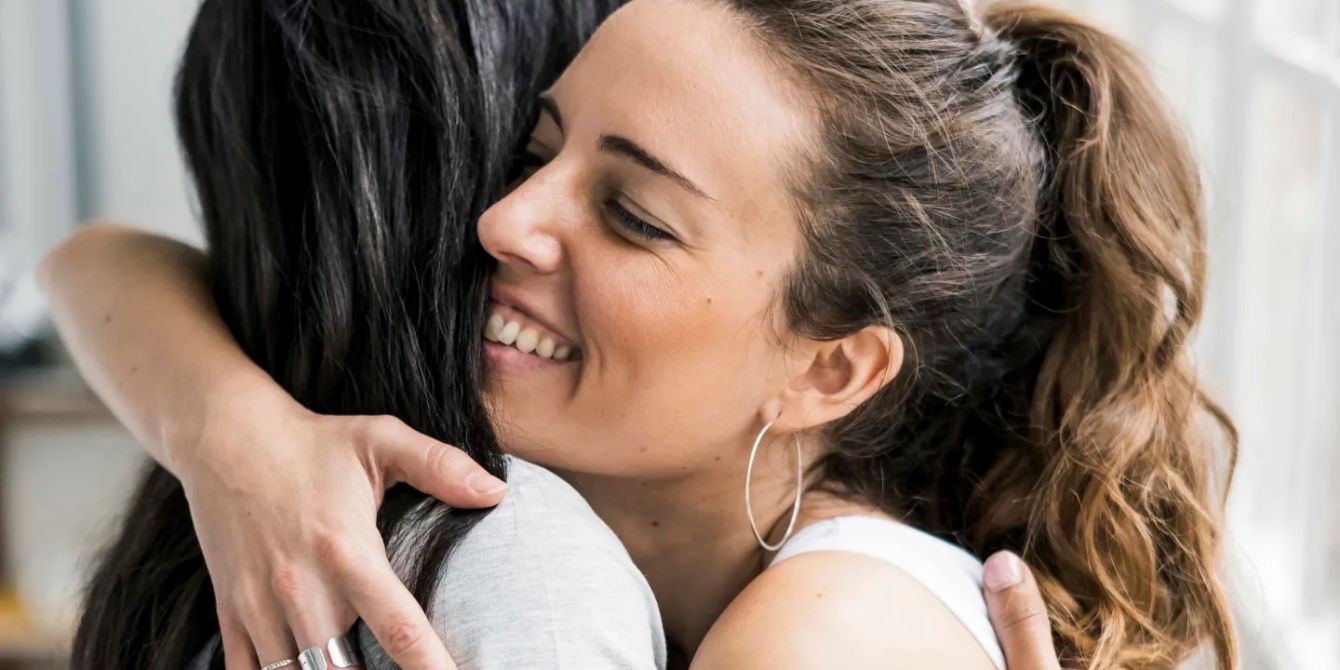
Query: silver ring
point(340, 653)
point(279, 664)
point(312, 658)
point(341, 656)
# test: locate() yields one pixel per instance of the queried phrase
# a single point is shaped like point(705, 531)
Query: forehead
point(688, 80)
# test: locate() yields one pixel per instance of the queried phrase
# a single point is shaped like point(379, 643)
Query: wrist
point(207, 429)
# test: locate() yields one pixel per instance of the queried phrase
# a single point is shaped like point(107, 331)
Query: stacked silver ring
point(279, 664)
point(341, 656)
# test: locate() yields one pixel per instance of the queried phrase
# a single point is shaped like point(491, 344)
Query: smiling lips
point(508, 327)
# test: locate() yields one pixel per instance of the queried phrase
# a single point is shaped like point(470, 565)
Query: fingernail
point(486, 484)
point(1002, 571)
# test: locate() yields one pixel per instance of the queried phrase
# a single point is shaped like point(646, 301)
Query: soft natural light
point(85, 90)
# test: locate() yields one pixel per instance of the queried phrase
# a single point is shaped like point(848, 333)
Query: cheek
point(657, 314)
point(647, 315)
point(680, 347)
point(678, 364)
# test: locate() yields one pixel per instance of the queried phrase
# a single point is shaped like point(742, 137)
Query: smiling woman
point(677, 191)
point(930, 247)
point(924, 275)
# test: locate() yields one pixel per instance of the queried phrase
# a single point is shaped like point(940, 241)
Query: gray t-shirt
point(541, 582)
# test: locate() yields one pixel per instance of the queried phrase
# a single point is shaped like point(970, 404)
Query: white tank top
point(951, 574)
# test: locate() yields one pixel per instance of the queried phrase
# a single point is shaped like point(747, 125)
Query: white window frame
point(38, 201)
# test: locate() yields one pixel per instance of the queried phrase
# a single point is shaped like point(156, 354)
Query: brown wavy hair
point(1009, 193)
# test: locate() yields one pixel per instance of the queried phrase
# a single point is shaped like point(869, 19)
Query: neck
point(690, 536)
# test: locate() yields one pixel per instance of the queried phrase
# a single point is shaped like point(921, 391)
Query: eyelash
point(636, 225)
point(631, 222)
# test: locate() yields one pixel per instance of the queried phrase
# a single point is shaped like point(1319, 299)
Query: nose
point(522, 229)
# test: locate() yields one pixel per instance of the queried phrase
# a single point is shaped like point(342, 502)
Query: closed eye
point(636, 224)
point(529, 162)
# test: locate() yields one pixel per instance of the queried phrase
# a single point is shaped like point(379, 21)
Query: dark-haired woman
point(899, 271)
point(342, 152)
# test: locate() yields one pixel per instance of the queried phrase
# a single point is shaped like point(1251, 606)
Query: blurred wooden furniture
point(22, 645)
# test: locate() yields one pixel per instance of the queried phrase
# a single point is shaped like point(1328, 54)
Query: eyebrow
point(622, 146)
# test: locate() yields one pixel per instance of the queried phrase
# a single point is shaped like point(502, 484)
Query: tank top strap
point(951, 574)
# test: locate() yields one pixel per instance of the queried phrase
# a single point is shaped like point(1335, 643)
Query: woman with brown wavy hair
point(945, 265)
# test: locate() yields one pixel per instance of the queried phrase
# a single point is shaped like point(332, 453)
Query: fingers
point(1018, 614)
point(288, 580)
point(313, 613)
point(395, 617)
point(237, 652)
point(438, 469)
point(261, 628)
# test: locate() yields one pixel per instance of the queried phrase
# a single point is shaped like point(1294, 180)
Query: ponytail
point(1122, 527)
point(1010, 196)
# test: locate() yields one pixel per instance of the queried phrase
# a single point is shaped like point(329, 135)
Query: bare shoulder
point(838, 609)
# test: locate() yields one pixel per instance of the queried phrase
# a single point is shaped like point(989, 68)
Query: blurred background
point(85, 131)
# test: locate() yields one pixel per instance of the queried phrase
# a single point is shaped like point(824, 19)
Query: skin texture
point(831, 610)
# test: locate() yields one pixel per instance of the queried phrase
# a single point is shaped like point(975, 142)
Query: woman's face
point(648, 242)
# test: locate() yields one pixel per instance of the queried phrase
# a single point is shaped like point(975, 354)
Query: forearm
point(135, 312)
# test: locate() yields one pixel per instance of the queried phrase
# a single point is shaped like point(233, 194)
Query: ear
point(840, 376)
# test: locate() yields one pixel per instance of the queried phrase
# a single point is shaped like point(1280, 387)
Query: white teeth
point(494, 327)
point(509, 332)
point(527, 340)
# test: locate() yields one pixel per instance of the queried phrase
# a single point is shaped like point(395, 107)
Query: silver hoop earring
point(749, 504)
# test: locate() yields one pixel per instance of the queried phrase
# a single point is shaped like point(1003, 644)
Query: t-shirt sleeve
point(542, 582)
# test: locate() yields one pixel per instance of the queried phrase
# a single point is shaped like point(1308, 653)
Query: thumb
point(1018, 614)
point(436, 468)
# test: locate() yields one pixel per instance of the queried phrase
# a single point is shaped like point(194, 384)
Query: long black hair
point(342, 151)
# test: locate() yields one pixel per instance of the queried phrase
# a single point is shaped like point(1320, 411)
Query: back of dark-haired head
point(341, 153)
